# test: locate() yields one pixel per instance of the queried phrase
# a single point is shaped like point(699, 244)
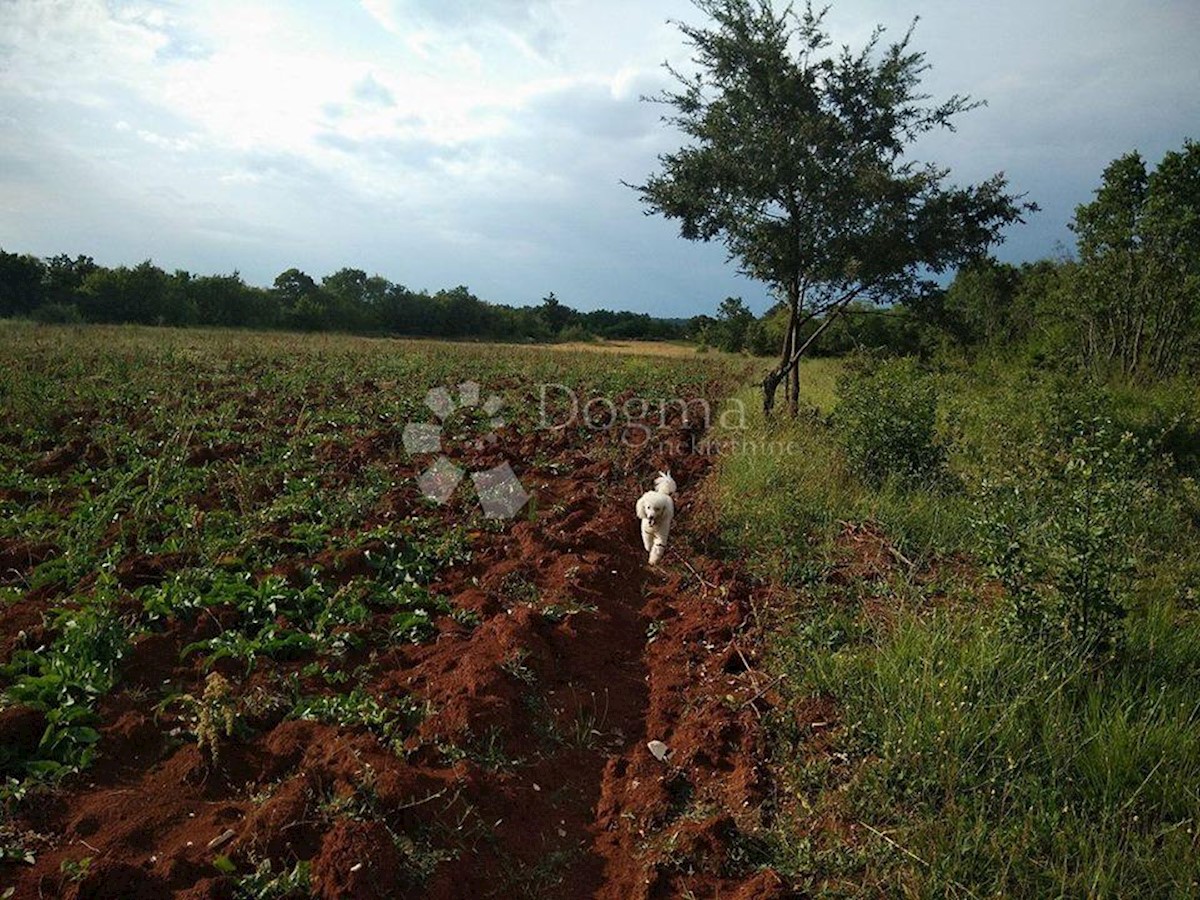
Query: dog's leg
point(657, 551)
point(647, 535)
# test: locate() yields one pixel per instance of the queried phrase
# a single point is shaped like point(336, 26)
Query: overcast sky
point(482, 142)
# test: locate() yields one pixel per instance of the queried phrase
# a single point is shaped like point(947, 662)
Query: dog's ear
point(641, 508)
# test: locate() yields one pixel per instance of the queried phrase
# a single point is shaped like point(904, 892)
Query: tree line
point(1125, 306)
point(861, 326)
point(65, 289)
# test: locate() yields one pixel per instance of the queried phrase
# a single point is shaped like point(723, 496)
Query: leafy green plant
point(15, 852)
point(468, 618)
point(264, 883)
point(388, 721)
point(1061, 532)
point(516, 666)
point(886, 421)
point(276, 619)
point(560, 612)
point(75, 870)
point(65, 680)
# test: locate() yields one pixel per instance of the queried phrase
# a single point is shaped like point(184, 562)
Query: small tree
point(886, 422)
point(733, 320)
point(795, 163)
point(978, 306)
point(21, 279)
point(1138, 281)
point(554, 315)
point(1063, 528)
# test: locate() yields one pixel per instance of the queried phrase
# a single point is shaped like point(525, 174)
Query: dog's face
point(656, 508)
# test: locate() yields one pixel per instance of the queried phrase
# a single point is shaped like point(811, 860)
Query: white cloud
point(460, 28)
point(444, 141)
point(76, 50)
point(178, 145)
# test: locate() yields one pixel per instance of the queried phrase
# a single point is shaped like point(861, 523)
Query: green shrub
point(886, 421)
point(576, 334)
point(1062, 531)
point(57, 314)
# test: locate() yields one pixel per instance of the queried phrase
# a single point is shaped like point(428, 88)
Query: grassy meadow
point(972, 754)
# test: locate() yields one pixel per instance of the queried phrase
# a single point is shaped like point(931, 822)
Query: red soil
point(529, 774)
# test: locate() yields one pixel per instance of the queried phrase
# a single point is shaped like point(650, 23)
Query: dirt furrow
point(528, 772)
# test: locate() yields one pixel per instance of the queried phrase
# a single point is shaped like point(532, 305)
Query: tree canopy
point(795, 160)
point(1139, 273)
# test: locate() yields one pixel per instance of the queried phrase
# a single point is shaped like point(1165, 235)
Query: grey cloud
point(287, 168)
point(1071, 85)
point(591, 111)
point(372, 92)
point(412, 153)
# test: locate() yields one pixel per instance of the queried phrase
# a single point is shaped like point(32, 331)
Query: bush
point(759, 339)
point(1063, 531)
point(886, 421)
point(57, 314)
point(576, 334)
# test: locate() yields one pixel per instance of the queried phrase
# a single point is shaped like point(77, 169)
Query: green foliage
point(65, 681)
point(809, 209)
point(390, 722)
point(965, 757)
point(893, 330)
point(1127, 310)
point(60, 290)
point(1016, 772)
point(75, 870)
point(1061, 531)
point(979, 304)
point(1139, 277)
point(759, 338)
point(730, 330)
point(57, 314)
point(11, 851)
point(795, 160)
point(20, 283)
point(275, 617)
point(886, 420)
point(264, 883)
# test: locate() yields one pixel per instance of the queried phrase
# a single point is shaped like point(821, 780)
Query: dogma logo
point(500, 492)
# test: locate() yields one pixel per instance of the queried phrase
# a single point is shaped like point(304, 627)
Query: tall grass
point(967, 761)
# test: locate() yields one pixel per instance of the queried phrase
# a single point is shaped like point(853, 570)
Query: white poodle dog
point(656, 509)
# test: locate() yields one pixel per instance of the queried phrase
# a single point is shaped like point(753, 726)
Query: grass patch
point(963, 755)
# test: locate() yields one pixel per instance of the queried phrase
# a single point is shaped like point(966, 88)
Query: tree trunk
point(794, 381)
point(789, 344)
point(791, 366)
point(771, 381)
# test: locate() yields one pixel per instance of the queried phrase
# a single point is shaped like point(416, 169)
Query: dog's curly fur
point(656, 509)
